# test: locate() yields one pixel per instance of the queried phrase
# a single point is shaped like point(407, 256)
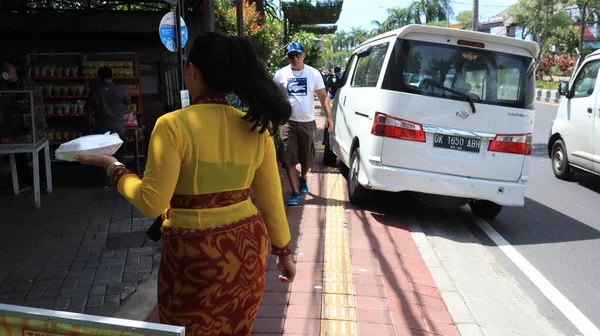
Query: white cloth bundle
point(89, 145)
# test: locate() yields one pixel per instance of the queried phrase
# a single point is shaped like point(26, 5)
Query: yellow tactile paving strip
point(338, 314)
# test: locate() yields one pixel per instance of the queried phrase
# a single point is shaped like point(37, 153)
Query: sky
point(360, 13)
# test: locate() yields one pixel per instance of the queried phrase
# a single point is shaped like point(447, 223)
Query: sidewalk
point(358, 273)
point(79, 253)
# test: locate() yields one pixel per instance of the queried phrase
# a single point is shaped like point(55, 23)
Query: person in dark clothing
point(335, 82)
point(11, 79)
point(105, 107)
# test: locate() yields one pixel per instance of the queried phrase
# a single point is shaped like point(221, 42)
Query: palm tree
point(341, 41)
point(400, 17)
point(357, 36)
point(431, 10)
point(397, 18)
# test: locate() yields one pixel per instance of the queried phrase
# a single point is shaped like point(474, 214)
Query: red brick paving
point(394, 291)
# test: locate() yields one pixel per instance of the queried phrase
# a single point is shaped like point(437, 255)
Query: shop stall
point(61, 44)
point(23, 131)
point(65, 79)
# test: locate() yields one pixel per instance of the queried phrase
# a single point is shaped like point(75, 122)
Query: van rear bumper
point(396, 179)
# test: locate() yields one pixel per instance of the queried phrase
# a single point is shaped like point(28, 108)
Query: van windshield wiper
point(458, 93)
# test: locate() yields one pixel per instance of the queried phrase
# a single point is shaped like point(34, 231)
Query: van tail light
point(471, 44)
point(391, 127)
point(512, 143)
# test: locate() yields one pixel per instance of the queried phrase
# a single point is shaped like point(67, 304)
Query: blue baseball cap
point(294, 47)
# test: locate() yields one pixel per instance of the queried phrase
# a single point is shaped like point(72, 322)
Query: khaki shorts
point(297, 143)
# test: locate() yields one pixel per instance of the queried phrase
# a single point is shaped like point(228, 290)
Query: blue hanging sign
point(166, 31)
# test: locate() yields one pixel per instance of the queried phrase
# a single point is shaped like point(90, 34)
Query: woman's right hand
point(287, 266)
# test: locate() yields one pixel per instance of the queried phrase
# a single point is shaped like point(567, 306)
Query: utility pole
point(179, 11)
point(285, 30)
point(582, 30)
point(475, 25)
point(239, 4)
point(208, 16)
point(447, 13)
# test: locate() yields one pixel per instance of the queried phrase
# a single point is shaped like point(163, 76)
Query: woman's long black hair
point(230, 63)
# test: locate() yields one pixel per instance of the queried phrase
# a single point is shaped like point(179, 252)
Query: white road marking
point(580, 321)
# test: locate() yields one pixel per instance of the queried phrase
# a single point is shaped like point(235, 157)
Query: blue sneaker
point(303, 186)
point(294, 200)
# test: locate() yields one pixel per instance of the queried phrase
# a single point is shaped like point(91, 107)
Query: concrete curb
point(140, 304)
point(461, 315)
point(549, 96)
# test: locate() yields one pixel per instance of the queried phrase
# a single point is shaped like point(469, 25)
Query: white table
point(34, 149)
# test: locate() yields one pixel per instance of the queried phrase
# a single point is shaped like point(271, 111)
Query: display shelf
point(114, 77)
point(21, 118)
point(56, 78)
point(64, 97)
point(66, 78)
point(66, 115)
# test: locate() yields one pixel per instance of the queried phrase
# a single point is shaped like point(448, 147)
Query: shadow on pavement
point(522, 226)
point(589, 181)
point(540, 150)
point(401, 293)
point(307, 228)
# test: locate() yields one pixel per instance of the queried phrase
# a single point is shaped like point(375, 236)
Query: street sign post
point(169, 35)
point(175, 39)
point(25, 321)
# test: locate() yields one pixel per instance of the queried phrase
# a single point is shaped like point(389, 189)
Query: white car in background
point(437, 111)
point(574, 143)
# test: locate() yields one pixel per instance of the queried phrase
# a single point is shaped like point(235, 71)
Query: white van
point(574, 142)
point(437, 111)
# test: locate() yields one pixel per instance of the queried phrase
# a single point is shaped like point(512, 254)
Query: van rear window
point(487, 77)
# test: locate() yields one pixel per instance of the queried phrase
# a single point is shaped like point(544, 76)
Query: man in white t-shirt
point(301, 82)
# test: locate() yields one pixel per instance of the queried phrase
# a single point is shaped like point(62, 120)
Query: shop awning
point(311, 12)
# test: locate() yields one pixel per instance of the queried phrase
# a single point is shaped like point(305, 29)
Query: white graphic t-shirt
point(300, 87)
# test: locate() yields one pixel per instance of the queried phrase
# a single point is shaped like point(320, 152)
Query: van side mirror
point(364, 52)
point(563, 89)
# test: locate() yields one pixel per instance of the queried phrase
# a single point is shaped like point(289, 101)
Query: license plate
point(457, 143)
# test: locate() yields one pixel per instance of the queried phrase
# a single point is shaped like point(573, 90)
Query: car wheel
point(485, 209)
point(356, 192)
point(560, 162)
point(329, 158)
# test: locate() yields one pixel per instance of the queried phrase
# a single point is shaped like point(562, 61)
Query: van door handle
point(345, 100)
point(590, 110)
point(364, 115)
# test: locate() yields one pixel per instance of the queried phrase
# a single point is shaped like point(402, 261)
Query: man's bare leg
point(303, 172)
point(293, 178)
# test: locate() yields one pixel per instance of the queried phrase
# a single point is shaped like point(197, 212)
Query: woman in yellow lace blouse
point(202, 162)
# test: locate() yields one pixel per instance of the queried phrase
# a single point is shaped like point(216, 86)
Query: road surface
point(557, 232)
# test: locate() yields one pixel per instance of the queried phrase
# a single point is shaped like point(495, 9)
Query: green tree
point(564, 35)
point(430, 10)
point(399, 17)
point(539, 18)
point(333, 57)
point(438, 23)
point(357, 36)
point(263, 32)
point(465, 19)
point(592, 13)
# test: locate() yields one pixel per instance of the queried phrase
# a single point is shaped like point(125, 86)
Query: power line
point(480, 5)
